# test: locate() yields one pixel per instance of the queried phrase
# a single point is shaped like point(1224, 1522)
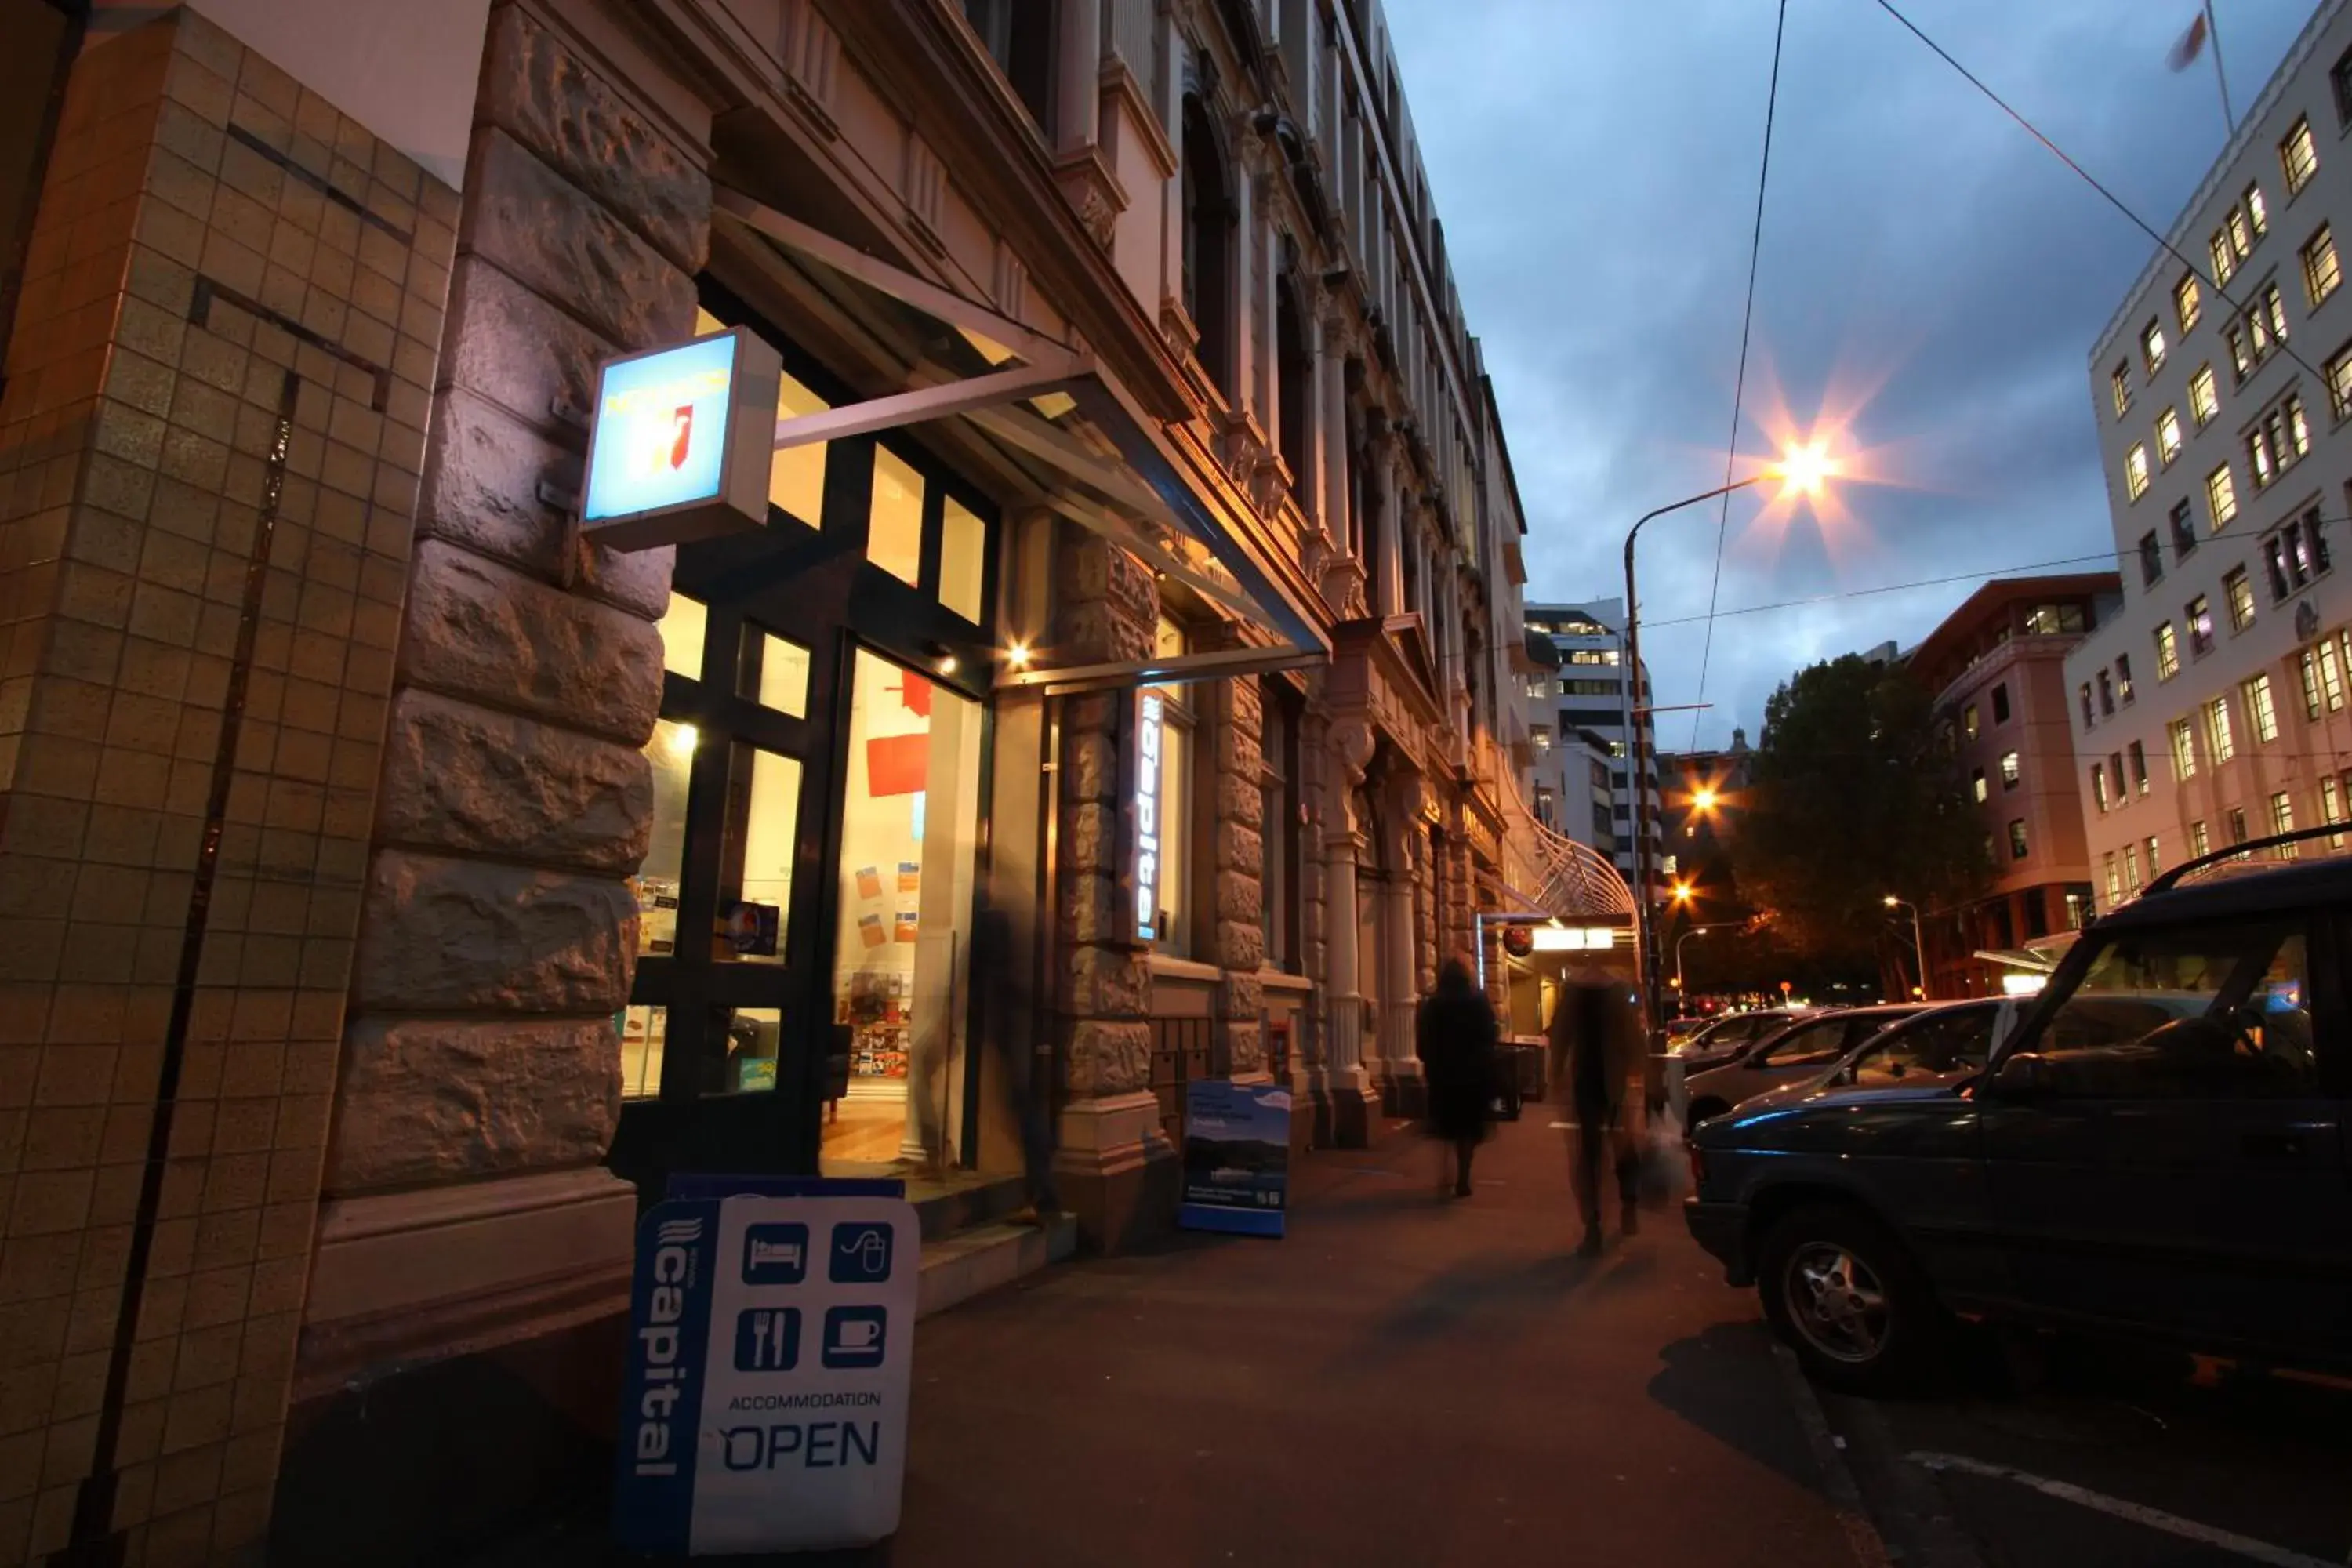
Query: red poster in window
point(897, 764)
point(915, 694)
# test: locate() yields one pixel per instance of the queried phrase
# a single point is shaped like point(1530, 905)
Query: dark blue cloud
point(1595, 167)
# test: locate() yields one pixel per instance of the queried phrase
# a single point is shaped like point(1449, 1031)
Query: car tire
point(1847, 1297)
point(1705, 1109)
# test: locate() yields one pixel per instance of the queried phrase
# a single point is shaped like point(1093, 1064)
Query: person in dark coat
point(1008, 1027)
point(1456, 1035)
point(1598, 1045)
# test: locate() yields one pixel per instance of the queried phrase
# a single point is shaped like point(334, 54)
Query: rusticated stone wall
point(497, 937)
point(210, 445)
point(1238, 944)
point(1109, 612)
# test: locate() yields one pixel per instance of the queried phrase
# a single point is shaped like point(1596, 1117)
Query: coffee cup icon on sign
point(861, 1253)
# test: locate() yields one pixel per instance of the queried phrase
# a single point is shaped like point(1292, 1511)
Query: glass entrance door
point(910, 836)
point(806, 894)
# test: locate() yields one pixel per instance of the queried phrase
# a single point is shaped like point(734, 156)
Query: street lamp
point(1918, 947)
point(1717, 925)
point(1802, 470)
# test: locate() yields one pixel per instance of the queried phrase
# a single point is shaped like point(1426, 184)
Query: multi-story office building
point(426, 881)
point(2213, 708)
point(1997, 666)
point(1580, 710)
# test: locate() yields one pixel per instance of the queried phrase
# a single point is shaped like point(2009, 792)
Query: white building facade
point(2212, 710)
point(1580, 714)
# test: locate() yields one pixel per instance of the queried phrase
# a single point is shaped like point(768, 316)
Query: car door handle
point(2272, 1148)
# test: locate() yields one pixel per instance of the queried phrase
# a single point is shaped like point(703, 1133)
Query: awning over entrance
point(2014, 958)
point(1099, 460)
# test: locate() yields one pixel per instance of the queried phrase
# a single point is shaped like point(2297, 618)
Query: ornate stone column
point(1401, 1083)
point(1388, 593)
point(1238, 946)
point(1116, 1167)
point(1346, 1088)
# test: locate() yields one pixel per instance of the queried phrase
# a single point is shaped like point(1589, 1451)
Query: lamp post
point(1918, 946)
point(1715, 925)
point(1801, 469)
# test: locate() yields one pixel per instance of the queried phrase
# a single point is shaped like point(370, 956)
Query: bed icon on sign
point(861, 1253)
point(775, 1254)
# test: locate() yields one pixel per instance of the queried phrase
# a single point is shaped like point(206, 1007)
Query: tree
point(1853, 799)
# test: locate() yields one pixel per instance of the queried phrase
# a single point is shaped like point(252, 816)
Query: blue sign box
point(682, 442)
point(1236, 1157)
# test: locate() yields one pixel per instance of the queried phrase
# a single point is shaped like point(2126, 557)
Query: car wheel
point(1850, 1301)
point(1705, 1109)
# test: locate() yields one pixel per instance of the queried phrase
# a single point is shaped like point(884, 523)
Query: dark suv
point(2156, 1148)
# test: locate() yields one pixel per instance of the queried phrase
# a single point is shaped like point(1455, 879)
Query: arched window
point(1209, 245)
point(1294, 365)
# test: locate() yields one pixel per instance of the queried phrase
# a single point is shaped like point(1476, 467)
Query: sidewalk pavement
point(1402, 1379)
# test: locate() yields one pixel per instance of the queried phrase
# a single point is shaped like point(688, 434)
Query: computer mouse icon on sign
point(861, 1253)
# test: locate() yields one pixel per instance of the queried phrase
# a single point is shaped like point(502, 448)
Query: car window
point(2219, 1010)
point(1821, 1041)
point(1938, 1047)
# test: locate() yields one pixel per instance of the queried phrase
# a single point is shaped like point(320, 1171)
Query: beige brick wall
point(209, 447)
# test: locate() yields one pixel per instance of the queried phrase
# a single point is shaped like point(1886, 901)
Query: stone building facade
point(396, 887)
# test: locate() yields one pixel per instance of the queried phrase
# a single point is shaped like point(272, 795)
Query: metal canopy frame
point(1144, 477)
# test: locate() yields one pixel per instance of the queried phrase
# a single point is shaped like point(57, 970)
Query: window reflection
point(644, 1032)
point(755, 888)
point(751, 1036)
point(671, 754)
point(963, 560)
point(774, 673)
point(894, 539)
point(682, 626)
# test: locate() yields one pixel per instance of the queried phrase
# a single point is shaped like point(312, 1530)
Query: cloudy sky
point(1925, 264)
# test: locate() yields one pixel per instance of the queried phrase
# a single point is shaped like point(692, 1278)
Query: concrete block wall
point(210, 445)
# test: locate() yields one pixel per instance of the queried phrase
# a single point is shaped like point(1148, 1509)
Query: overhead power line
point(1739, 382)
point(2113, 200)
point(2231, 530)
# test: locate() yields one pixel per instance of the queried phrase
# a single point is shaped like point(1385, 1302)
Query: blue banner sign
point(771, 1353)
point(1236, 1157)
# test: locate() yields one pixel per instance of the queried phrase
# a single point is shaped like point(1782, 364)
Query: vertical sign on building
point(1150, 709)
point(771, 1355)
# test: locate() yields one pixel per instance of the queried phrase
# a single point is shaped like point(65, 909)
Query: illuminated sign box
point(1574, 938)
point(681, 442)
point(1149, 713)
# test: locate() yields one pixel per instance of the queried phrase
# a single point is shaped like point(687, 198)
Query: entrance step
point(960, 1266)
point(963, 1200)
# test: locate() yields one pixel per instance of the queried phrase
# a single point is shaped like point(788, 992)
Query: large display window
point(805, 902)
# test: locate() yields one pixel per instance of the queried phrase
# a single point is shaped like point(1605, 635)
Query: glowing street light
point(1803, 469)
point(1703, 798)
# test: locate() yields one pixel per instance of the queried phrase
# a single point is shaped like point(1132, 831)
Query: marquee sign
point(681, 442)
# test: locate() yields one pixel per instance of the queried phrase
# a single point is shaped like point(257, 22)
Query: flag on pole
point(2191, 44)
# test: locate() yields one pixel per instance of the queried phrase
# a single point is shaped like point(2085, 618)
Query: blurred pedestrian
point(1009, 1026)
point(1456, 1035)
point(1598, 1044)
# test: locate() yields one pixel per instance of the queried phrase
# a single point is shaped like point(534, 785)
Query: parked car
point(1946, 1044)
point(1727, 1037)
point(2157, 1147)
point(1797, 1052)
